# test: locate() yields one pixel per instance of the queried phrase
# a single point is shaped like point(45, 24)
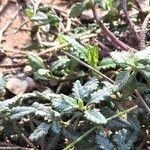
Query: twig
point(28, 141)
point(60, 47)
point(108, 33)
point(142, 100)
point(97, 126)
point(143, 32)
point(23, 136)
point(124, 7)
point(8, 24)
point(14, 148)
point(11, 66)
point(88, 66)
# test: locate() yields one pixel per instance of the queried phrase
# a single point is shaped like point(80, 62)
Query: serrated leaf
point(121, 57)
point(143, 88)
point(76, 10)
point(124, 142)
point(78, 91)
point(92, 56)
point(39, 132)
point(80, 51)
point(122, 80)
point(61, 105)
point(95, 116)
point(145, 71)
point(3, 108)
point(107, 63)
point(18, 112)
point(143, 54)
point(55, 127)
point(40, 16)
point(71, 101)
point(41, 74)
point(91, 85)
point(104, 143)
point(35, 61)
point(100, 95)
point(120, 136)
point(45, 111)
point(60, 64)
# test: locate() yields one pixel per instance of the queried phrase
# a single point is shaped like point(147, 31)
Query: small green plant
point(59, 114)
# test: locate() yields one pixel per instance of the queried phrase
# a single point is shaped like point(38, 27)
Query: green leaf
point(3, 108)
point(29, 11)
point(53, 20)
point(45, 28)
point(95, 116)
point(41, 74)
point(104, 143)
point(39, 16)
point(121, 57)
point(18, 112)
point(59, 104)
point(71, 101)
point(91, 85)
point(45, 111)
point(80, 104)
point(87, 4)
point(145, 71)
point(78, 91)
point(107, 63)
point(125, 139)
point(80, 51)
point(92, 56)
point(39, 132)
point(143, 55)
point(120, 136)
point(76, 10)
point(59, 66)
point(35, 61)
point(56, 127)
point(100, 95)
point(122, 80)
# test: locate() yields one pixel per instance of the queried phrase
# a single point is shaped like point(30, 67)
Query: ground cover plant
point(83, 82)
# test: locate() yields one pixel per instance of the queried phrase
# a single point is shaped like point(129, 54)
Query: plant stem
point(93, 128)
point(108, 33)
point(90, 67)
point(129, 21)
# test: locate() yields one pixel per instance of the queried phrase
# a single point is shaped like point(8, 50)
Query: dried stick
point(60, 47)
point(124, 7)
point(143, 32)
point(23, 136)
point(108, 33)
